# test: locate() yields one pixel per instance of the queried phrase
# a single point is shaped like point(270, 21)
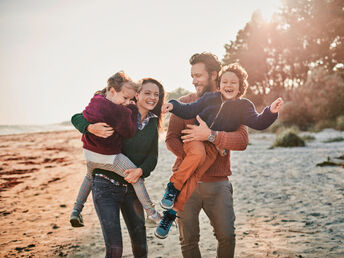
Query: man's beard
point(207, 88)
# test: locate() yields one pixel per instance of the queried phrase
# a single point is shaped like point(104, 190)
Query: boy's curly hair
point(239, 71)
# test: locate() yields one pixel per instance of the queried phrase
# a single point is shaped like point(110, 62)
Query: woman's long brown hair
point(157, 109)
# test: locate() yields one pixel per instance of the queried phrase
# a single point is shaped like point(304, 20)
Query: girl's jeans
point(120, 164)
point(108, 200)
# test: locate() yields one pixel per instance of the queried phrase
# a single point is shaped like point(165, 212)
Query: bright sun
point(268, 8)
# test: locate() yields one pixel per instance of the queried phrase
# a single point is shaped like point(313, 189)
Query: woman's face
point(229, 85)
point(148, 97)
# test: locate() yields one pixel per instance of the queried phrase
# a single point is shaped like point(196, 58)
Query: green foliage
point(177, 93)
point(288, 138)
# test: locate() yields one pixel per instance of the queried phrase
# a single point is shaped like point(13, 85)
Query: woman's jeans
point(119, 165)
point(108, 200)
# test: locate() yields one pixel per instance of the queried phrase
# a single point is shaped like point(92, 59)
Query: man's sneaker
point(153, 220)
point(165, 224)
point(170, 195)
point(76, 219)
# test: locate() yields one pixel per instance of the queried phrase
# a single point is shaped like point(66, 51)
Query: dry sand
point(285, 205)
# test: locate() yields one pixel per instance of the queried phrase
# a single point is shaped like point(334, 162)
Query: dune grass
point(288, 138)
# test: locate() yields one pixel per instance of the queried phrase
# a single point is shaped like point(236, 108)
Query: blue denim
point(108, 200)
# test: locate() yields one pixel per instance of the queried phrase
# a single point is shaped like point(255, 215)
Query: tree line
point(298, 55)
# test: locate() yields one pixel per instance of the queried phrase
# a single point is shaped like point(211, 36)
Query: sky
point(55, 54)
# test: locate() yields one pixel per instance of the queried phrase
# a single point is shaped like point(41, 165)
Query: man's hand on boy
point(276, 105)
point(166, 108)
point(196, 132)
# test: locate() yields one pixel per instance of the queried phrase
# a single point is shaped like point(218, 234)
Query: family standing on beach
point(120, 128)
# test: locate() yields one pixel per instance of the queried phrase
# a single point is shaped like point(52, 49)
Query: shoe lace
point(172, 193)
point(167, 220)
point(169, 197)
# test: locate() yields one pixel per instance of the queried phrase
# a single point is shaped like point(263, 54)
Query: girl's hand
point(100, 129)
point(276, 105)
point(133, 174)
point(166, 107)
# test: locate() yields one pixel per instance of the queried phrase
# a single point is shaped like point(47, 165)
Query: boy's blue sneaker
point(165, 224)
point(170, 195)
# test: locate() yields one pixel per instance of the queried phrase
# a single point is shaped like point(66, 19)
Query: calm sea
point(19, 129)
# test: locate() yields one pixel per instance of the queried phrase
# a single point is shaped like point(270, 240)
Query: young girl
point(113, 195)
point(112, 106)
point(222, 111)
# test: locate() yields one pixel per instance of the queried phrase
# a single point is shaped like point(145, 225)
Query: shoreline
point(29, 129)
point(285, 206)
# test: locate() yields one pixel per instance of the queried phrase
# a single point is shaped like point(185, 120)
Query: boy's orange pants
point(199, 157)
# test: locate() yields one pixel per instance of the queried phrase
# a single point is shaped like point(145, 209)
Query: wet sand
point(285, 205)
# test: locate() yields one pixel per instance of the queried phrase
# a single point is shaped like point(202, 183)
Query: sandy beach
point(285, 205)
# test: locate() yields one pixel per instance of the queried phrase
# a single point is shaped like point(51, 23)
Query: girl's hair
point(239, 71)
point(157, 109)
point(117, 81)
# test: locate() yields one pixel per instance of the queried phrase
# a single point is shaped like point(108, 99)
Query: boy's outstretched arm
point(259, 121)
point(166, 107)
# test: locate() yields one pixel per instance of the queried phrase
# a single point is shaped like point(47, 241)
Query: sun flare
point(268, 8)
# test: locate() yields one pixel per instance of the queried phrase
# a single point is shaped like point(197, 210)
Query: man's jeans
point(108, 200)
point(215, 198)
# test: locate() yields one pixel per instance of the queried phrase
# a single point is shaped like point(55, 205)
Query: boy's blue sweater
point(233, 113)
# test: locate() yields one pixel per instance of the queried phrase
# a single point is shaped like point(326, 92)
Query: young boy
point(223, 110)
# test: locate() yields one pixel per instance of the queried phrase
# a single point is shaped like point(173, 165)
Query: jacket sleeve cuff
point(80, 123)
point(145, 172)
point(273, 115)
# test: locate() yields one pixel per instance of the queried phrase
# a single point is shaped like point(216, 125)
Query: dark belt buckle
point(114, 182)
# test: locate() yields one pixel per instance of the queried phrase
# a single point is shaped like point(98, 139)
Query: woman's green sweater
point(141, 149)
